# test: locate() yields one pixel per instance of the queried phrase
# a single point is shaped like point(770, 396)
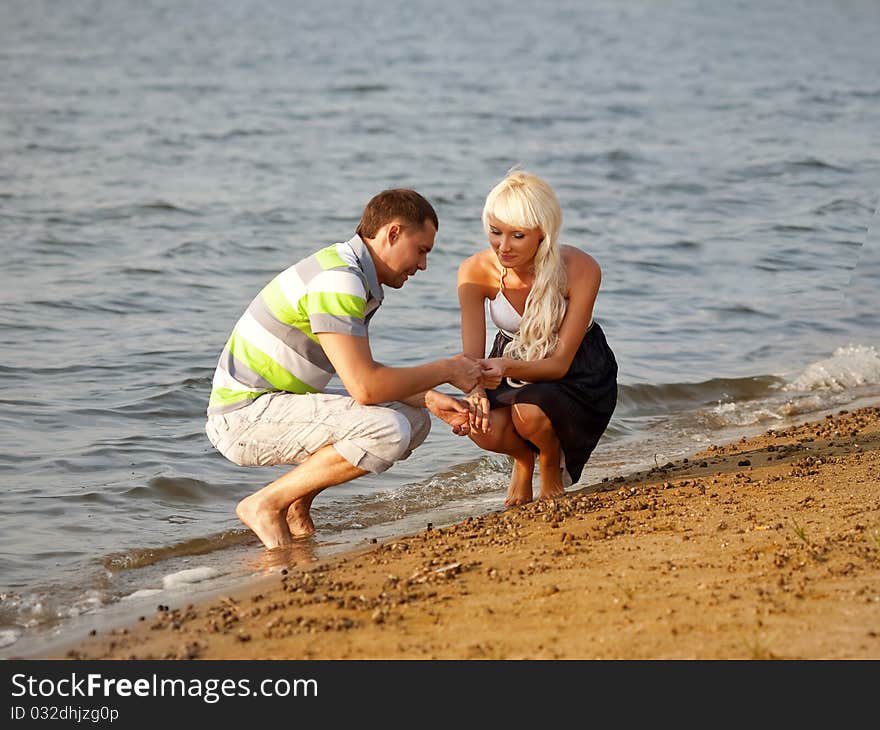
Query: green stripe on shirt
point(329, 258)
point(335, 303)
point(228, 396)
point(278, 303)
point(261, 363)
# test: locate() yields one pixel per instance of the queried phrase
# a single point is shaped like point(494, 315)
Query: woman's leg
point(503, 439)
point(531, 423)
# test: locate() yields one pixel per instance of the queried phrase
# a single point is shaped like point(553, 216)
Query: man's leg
point(419, 423)
point(299, 519)
point(266, 511)
point(332, 438)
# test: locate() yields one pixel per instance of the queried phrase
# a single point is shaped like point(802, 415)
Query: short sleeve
point(336, 301)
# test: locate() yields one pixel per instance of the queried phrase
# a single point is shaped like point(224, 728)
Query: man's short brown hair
point(401, 204)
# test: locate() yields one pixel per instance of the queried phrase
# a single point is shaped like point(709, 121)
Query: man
point(268, 404)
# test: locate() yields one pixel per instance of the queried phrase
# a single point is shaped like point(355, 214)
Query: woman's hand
point(493, 370)
point(479, 417)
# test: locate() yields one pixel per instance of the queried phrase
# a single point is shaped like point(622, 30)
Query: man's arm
point(369, 382)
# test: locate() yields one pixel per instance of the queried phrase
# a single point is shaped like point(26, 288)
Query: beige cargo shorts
point(285, 428)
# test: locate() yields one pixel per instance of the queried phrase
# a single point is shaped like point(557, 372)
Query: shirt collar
point(367, 266)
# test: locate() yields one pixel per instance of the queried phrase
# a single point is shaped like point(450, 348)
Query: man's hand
point(457, 413)
point(491, 373)
point(466, 373)
point(479, 417)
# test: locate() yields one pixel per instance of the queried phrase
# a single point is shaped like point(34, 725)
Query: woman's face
point(514, 247)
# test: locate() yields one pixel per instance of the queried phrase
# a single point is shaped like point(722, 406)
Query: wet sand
point(765, 548)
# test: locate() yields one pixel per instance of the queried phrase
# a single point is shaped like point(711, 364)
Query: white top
point(503, 314)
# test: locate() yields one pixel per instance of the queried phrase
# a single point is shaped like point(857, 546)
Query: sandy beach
point(764, 548)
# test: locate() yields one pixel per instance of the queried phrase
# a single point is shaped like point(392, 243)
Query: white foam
point(7, 638)
point(189, 576)
point(143, 593)
point(86, 603)
point(847, 367)
point(742, 414)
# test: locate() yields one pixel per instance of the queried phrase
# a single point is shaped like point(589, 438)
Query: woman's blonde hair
point(524, 200)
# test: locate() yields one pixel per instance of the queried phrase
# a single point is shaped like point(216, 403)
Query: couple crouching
point(547, 390)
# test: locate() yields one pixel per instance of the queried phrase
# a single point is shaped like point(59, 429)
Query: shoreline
point(766, 547)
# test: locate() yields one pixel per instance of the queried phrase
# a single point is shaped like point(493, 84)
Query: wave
point(162, 205)
point(359, 89)
point(135, 558)
point(647, 399)
point(848, 367)
point(117, 213)
point(184, 489)
point(714, 406)
point(786, 167)
point(844, 205)
point(237, 132)
point(461, 482)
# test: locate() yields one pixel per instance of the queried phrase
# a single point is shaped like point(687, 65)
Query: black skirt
point(579, 405)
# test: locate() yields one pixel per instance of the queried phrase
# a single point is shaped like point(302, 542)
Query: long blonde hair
point(524, 200)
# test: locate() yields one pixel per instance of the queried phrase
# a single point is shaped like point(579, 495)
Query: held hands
point(492, 371)
point(469, 374)
point(466, 373)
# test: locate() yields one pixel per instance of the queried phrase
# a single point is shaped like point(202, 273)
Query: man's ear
point(393, 232)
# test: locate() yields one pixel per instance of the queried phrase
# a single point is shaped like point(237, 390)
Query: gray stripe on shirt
point(338, 324)
point(242, 373)
point(293, 337)
point(308, 269)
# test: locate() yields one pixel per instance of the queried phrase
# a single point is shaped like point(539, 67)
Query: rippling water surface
point(161, 161)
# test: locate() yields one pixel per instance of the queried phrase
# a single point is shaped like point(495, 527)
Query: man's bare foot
point(520, 489)
point(299, 521)
point(270, 526)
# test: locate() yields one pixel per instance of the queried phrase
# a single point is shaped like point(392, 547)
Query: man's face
point(410, 247)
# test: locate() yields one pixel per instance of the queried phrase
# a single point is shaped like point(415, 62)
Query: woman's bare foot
point(269, 525)
point(299, 519)
point(520, 489)
point(551, 483)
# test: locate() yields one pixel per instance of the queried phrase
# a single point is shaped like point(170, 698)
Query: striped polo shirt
point(274, 347)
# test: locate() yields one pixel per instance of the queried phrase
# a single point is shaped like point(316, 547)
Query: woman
point(551, 378)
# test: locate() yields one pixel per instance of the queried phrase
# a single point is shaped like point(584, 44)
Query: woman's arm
point(584, 279)
point(472, 300)
point(474, 287)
